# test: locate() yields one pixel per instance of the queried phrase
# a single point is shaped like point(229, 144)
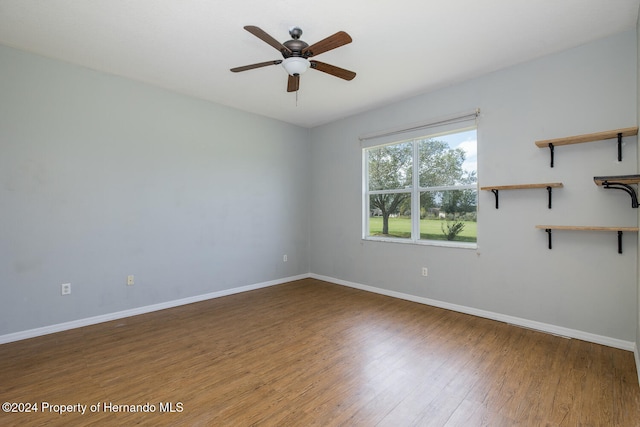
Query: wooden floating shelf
point(623, 179)
point(586, 227)
point(620, 230)
point(520, 186)
point(620, 182)
point(589, 137)
point(496, 188)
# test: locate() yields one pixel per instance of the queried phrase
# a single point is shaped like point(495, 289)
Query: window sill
point(438, 243)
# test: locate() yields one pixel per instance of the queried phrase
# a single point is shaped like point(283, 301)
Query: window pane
point(449, 215)
point(444, 168)
point(390, 215)
point(448, 159)
point(390, 167)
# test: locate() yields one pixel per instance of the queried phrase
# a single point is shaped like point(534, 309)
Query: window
point(423, 190)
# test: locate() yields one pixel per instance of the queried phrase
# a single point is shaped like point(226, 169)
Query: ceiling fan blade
point(258, 65)
point(333, 70)
point(294, 83)
point(338, 39)
point(262, 35)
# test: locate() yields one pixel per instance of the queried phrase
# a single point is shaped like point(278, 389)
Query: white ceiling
point(400, 48)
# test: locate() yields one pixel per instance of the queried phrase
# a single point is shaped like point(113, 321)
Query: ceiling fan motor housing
point(295, 46)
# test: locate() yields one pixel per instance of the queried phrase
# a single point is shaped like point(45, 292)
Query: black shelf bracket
point(619, 146)
point(548, 230)
point(551, 150)
point(624, 187)
point(619, 241)
point(495, 193)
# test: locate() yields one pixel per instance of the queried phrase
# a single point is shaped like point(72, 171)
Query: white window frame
point(415, 192)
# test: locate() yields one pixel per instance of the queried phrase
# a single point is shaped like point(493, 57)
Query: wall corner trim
point(517, 321)
point(636, 352)
point(45, 330)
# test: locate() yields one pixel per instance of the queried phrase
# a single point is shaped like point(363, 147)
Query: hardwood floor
point(310, 353)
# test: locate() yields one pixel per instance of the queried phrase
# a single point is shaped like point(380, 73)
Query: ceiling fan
point(296, 54)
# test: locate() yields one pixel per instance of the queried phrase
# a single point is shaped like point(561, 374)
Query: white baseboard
point(31, 333)
point(531, 324)
point(543, 327)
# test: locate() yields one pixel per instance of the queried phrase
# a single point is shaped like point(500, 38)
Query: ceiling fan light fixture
point(295, 65)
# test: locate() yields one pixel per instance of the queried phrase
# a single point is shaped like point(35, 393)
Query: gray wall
point(582, 284)
point(102, 177)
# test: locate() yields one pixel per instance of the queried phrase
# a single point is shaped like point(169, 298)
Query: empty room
point(363, 213)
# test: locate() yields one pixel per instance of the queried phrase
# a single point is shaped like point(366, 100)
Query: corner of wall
point(637, 355)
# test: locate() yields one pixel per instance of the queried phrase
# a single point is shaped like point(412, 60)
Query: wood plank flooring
point(311, 353)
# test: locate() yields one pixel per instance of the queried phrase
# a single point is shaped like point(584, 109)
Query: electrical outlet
point(425, 271)
point(130, 280)
point(65, 289)
point(284, 258)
